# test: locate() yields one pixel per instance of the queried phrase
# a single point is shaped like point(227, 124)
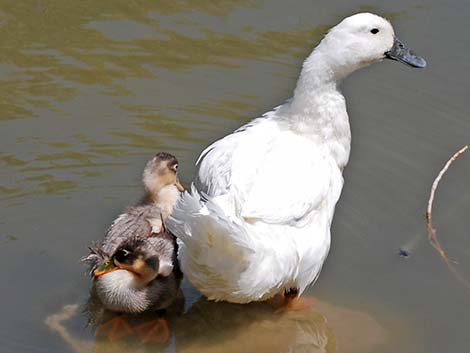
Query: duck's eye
point(122, 255)
point(374, 30)
point(122, 252)
point(175, 167)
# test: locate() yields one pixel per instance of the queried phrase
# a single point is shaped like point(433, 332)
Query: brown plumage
point(152, 277)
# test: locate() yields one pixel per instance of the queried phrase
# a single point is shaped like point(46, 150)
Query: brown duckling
point(135, 267)
point(141, 275)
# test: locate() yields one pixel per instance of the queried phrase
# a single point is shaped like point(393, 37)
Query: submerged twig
point(432, 233)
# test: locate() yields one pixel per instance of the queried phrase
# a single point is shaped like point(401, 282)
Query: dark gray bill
point(401, 53)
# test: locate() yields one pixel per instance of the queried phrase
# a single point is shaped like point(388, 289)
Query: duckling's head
point(139, 258)
point(361, 40)
point(161, 174)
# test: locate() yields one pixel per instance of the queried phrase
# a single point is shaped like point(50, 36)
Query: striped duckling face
point(137, 258)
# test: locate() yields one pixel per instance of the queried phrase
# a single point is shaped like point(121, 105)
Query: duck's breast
point(117, 291)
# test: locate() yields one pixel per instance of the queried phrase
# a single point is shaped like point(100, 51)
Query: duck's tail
point(214, 246)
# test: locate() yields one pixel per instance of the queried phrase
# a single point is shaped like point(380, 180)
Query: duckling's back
point(139, 222)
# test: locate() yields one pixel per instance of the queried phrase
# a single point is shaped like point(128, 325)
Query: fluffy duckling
point(141, 275)
point(135, 267)
point(161, 182)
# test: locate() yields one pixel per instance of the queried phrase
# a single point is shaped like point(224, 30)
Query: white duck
point(247, 231)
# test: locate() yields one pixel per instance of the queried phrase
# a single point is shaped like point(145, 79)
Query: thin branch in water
point(432, 233)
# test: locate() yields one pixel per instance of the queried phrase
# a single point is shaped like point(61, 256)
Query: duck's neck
point(164, 196)
point(316, 76)
point(318, 110)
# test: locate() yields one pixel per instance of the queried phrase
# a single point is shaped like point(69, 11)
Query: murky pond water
point(91, 89)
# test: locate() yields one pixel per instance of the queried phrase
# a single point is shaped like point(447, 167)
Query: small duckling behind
point(135, 267)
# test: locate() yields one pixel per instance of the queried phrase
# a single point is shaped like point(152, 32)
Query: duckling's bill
point(179, 186)
point(105, 267)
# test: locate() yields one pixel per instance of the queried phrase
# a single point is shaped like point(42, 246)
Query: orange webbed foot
point(296, 304)
point(154, 331)
point(115, 329)
point(290, 301)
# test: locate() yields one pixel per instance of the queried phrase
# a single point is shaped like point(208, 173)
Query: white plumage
point(257, 221)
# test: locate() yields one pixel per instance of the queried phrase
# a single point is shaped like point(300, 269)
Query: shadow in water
point(223, 327)
point(217, 327)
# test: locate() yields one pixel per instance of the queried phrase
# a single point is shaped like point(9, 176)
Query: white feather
point(119, 291)
point(258, 218)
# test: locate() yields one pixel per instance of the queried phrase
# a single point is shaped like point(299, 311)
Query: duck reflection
point(216, 327)
point(111, 326)
point(222, 327)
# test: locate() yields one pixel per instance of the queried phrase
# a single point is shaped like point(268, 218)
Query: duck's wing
point(234, 156)
point(289, 186)
point(261, 175)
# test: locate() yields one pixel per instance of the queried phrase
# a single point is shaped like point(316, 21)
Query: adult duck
point(257, 222)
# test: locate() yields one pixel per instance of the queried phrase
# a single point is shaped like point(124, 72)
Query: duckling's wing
point(138, 222)
point(163, 246)
point(131, 224)
point(156, 223)
point(120, 230)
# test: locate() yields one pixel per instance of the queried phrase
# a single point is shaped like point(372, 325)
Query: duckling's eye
point(374, 30)
point(175, 166)
point(122, 253)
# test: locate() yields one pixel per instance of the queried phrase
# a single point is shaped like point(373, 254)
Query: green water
point(91, 89)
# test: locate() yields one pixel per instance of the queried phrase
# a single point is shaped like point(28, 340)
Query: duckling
point(141, 275)
point(161, 182)
point(146, 219)
point(135, 267)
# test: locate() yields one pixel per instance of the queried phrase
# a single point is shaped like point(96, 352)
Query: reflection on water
point(216, 327)
point(222, 327)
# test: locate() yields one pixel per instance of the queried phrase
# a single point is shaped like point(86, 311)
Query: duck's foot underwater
point(115, 329)
point(291, 301)
point(154, 331)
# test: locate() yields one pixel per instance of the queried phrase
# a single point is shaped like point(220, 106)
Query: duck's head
point(137, 257)
point(161, 172)
point(361, 40)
